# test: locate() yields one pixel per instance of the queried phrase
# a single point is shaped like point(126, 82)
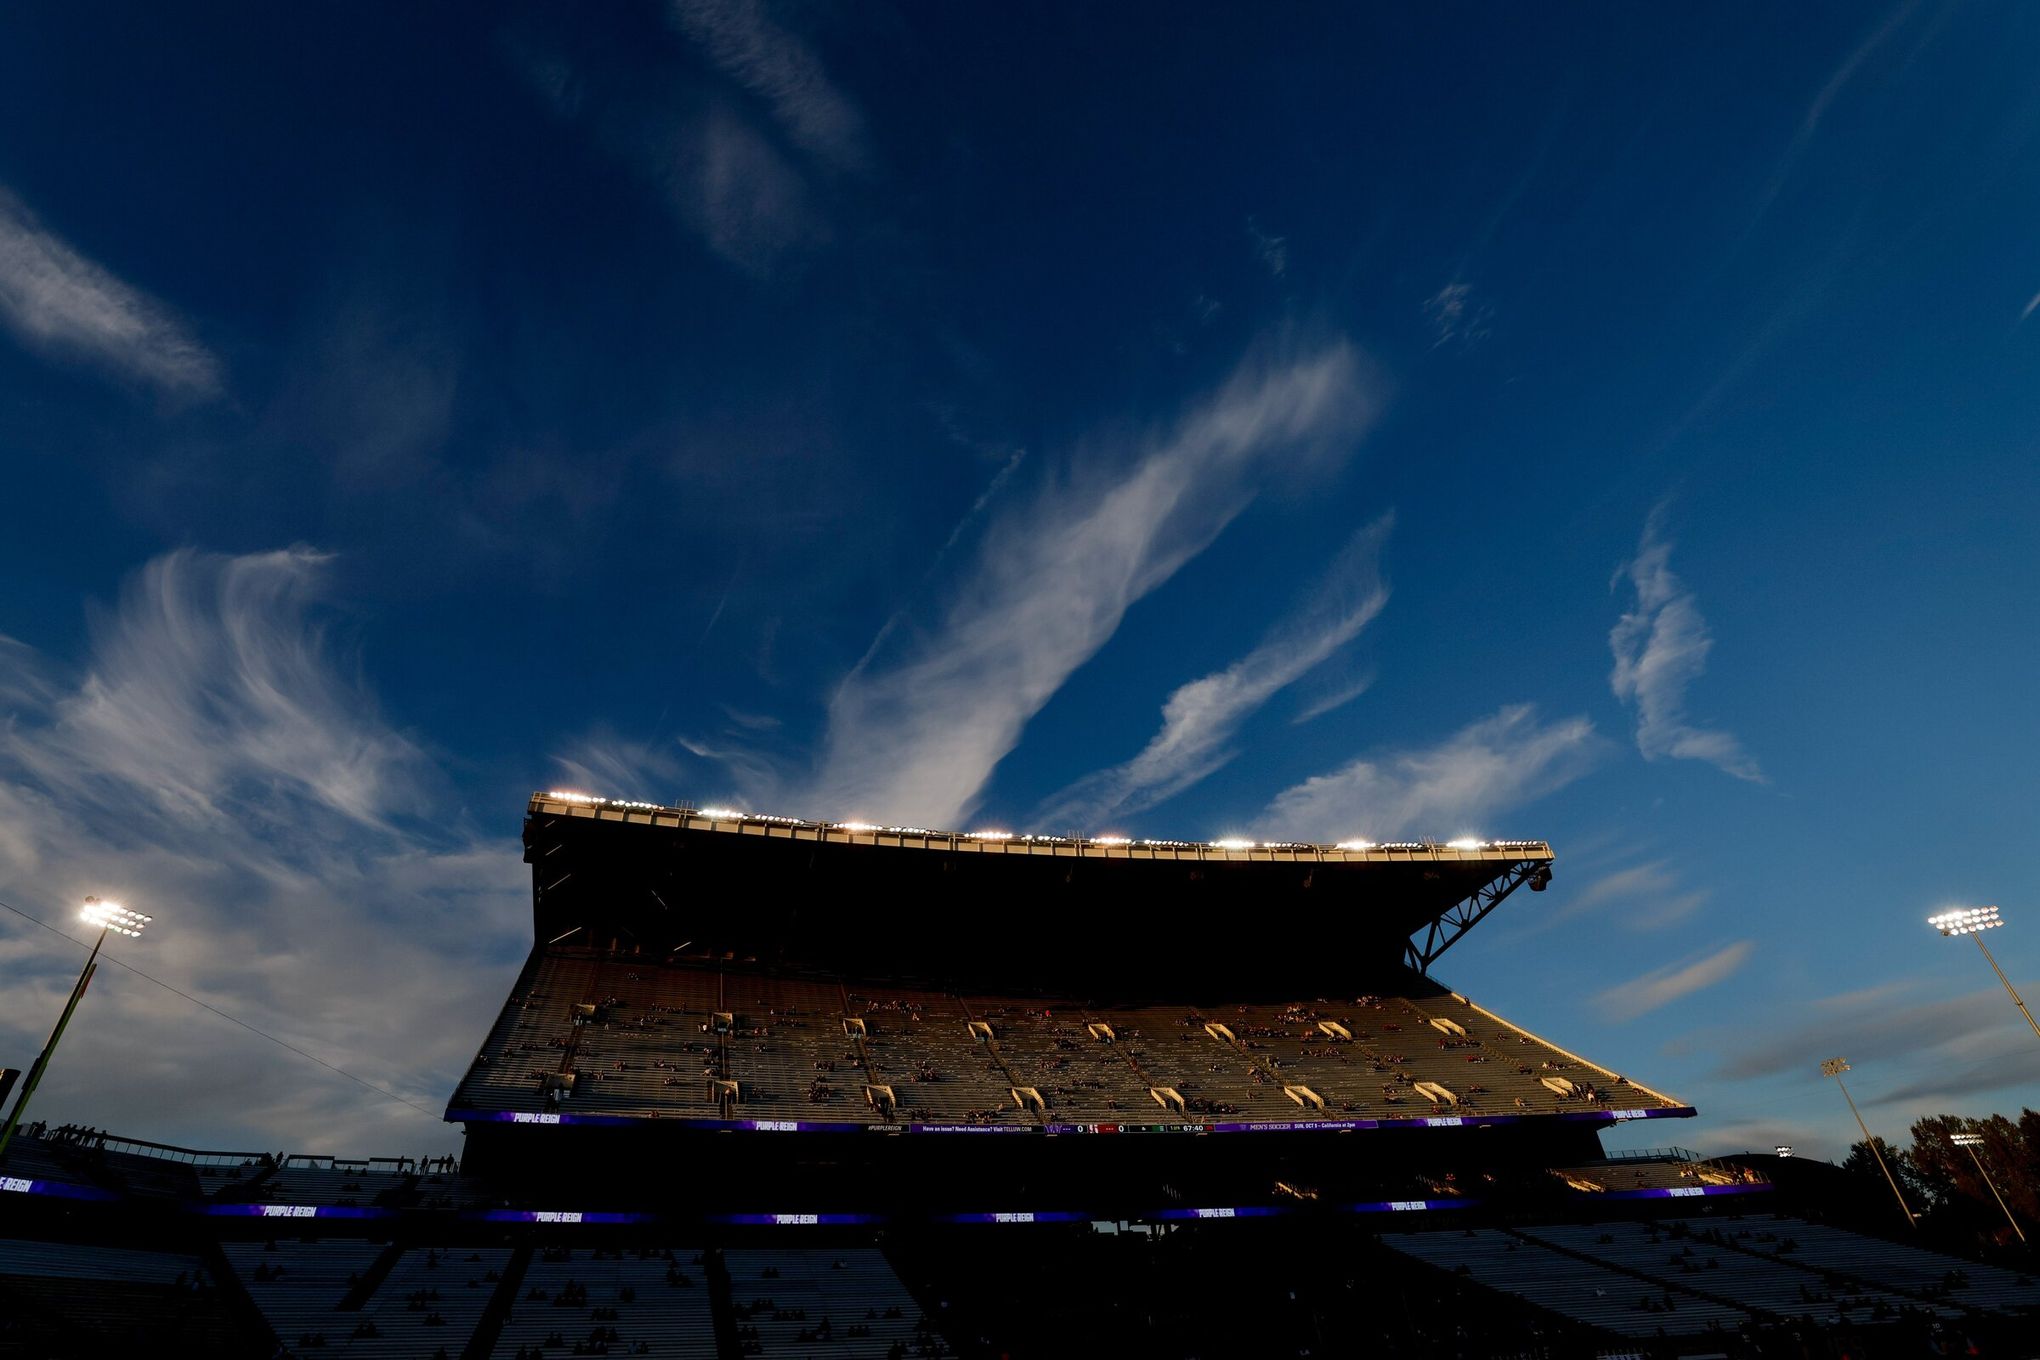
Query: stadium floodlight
point(722, 814)
point(112, 919)
point(991, 835)
point(1973, 921)
point(1834, 1067)
point(1972, 1141)
point(856, 826)
point(1112, 840)
point(1464, 843)
point(1354, 845)
point(1232, 843)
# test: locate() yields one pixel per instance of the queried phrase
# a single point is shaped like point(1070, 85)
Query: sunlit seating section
point(1080, 1078)
point(847, 1304)
point(1562, 1284)
point(790, 1053)
point(1675, 1169)
point(610, 1302)
point(919, 1044)
point(1166, 1050)
point(648, 1039)
point(525, 1038)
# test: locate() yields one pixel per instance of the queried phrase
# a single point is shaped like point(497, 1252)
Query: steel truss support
point(1446, 928)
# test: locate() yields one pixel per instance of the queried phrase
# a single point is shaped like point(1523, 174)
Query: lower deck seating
point(66, 1299)
point(1723, 1272)
point(1596, 1295)
point(846, 1304)
point(1922, 1274)
point(431, 1301)
point(616, 1300)
point(299, 1285)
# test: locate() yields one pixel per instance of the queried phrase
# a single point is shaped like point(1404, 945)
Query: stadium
point(769, 1087)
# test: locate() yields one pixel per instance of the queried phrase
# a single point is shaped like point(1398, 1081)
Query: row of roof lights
point(723, 814)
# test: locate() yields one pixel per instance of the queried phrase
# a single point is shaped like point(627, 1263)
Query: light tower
point(1973, 921)
point(1834, 1067)
point(111, 918)
point(1972, 1141)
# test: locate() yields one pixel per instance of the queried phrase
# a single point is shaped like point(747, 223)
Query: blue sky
point(1609, 426)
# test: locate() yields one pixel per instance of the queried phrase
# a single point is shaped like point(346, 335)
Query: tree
point(1920, 1196)
point(1957, 1177)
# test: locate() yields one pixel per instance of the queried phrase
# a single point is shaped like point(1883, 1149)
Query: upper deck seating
point(650, 1040)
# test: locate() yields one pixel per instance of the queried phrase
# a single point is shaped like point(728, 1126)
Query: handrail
point(170, 1152)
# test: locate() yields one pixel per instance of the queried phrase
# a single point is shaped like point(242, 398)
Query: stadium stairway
point(298, 1286)
point(245, 1314)
point(370, 1280)
point(432, 1299)
point(490, 1327)
point(727, 1343)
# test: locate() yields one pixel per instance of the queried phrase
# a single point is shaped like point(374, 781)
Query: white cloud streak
point(1647, 897)
point(1485, 768)
point(1201, 717)
point(1661, 648)
point(917, 740)
point(781, 70)
point(1455, 315)
point(214, 765)
point(1809, 124)
point(56, 300)
point(1335, 696)
point(1662, 986)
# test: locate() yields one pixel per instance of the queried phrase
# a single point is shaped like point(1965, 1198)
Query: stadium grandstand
point(766, 1087)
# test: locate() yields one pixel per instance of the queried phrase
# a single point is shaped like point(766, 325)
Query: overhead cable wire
point(285, 1044)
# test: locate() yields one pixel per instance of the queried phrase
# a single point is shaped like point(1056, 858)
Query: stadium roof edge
point(560, 803)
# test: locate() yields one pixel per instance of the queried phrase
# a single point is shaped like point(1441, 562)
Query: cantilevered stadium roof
point(1103, 916)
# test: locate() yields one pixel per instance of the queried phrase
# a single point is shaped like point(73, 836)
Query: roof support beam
point(1446, 928)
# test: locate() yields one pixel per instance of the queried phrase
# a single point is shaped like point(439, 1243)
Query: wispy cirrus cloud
point(1838, 80)
point(782, 70)
point(1485, 768)
point(56, 300)
point(1270, 249)
point(215, 763)
point(1662, 986)
point(743, 160)
point(1648, 897)
point(1456, 315)
point(1872, 1024)
point(916, 739)
point(1200, 718)
point(1661, 646)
